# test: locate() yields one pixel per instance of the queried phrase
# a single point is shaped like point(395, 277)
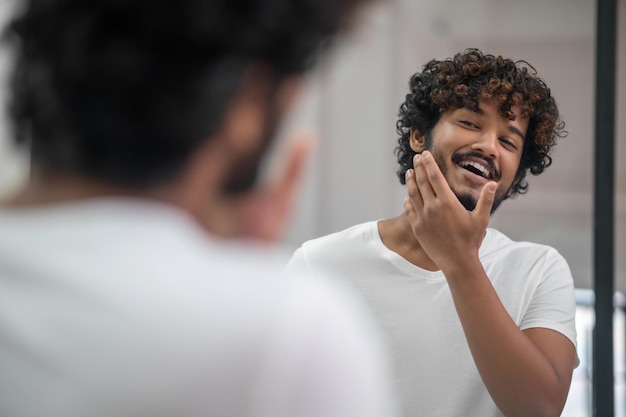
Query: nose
point(487, 144)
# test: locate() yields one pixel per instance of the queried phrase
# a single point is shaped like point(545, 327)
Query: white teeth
point(483, 170)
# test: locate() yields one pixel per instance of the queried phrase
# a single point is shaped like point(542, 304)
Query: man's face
point(475, 147)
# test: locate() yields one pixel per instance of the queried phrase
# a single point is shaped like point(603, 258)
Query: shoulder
point(360, 231)
point(527, 263)
point(344, 240)
point(537, 270)
point(339, 248)
point(498, 244)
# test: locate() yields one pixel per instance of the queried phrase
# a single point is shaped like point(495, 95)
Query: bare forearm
point(519, 376)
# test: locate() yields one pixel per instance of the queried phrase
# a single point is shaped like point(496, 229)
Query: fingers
point(414, 197)
point(485, 201)
point(422, 176)
point(419, 182)
point(432, 173)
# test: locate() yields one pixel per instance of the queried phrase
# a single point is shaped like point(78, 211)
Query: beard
point(467, 200)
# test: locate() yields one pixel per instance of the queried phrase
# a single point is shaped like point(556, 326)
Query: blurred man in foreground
point(136, 274)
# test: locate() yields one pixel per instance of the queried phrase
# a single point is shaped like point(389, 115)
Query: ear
point(247, 112)
point(261, 213)
point(240, 133)
point(246, 118)
point(417, 141)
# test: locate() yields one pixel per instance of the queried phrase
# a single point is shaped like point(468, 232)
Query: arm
point(526, 372)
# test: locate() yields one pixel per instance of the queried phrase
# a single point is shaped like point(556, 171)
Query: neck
point(44, 189)
point(397, 235)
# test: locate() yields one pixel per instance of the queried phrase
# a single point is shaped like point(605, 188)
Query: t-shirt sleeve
point(553, 304)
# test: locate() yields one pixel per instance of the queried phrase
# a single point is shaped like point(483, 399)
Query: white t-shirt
point(435, 374)
point(121, 307)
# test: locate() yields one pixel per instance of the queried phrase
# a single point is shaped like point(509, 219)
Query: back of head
point(469, 78)
point(123, 91)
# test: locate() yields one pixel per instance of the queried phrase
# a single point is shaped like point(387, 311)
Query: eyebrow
point(512, 129)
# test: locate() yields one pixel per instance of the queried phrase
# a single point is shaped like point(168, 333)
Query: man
point(478, 325)
point(136, 272)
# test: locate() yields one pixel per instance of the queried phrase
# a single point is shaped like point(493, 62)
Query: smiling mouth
point(476, 168)
point(477, 164)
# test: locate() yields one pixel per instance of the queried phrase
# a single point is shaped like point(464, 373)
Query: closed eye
point(469, 124)
point(508, 142)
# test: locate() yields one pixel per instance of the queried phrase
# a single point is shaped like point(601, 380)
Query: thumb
point(485, 201)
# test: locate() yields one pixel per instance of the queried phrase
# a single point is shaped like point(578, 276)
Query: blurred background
point(351, 101)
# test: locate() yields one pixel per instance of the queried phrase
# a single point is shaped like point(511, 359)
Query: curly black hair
point(465, 80)
point(125, 90)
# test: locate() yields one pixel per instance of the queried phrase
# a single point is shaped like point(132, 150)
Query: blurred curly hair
point(124, 90)
point(469, 78)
